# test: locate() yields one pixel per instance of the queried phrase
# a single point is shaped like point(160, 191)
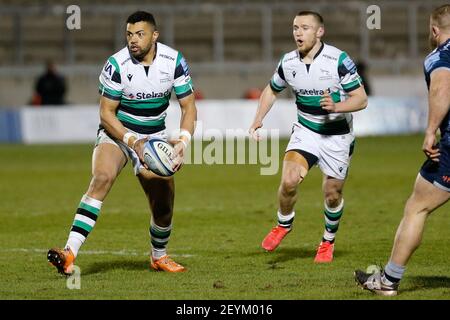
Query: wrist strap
point(127, 136)
point(187, 134)
point(184, 142)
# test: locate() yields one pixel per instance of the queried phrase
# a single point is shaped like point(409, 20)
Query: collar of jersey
point(444, 44)
point(315, 56)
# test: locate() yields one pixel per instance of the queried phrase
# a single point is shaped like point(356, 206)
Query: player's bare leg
point(423, 201)
point(334, 206)
point(295, 168)
point(107, 162)
point(160, 193)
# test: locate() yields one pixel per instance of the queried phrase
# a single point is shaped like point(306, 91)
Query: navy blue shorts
point(438, 173)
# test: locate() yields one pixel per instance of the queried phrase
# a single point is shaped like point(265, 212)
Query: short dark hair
point(311, 13)
point(144, 16)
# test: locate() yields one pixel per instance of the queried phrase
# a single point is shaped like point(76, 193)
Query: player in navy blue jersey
point(432, 187)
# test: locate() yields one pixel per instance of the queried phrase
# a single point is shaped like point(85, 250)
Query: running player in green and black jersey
point(327, 89)
point(135, 86)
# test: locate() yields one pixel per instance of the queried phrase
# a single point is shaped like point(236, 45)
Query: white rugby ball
point(157, 155)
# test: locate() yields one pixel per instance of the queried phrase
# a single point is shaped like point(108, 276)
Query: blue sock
point(393, 273)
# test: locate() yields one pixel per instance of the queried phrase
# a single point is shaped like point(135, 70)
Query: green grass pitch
point(222, 213)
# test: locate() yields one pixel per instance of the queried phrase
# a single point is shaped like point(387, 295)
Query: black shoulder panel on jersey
point(342, 70)
point(281, 73)
point(116, 77)
point(179, 71)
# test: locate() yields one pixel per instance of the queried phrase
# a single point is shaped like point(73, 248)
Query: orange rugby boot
point(62, 259)
point(273, 239)
point(165, 263)
point(324, 252)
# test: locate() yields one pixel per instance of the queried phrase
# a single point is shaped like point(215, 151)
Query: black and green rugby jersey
point(331, 69)
point(144, 91)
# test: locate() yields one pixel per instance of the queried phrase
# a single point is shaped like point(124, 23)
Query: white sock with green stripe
point(84, 222)
point(159, 237)
point(332, 217)
point(285, 221)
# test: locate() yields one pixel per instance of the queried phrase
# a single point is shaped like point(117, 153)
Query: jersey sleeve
point(110, 81)
point(348, 75)
point(442, 62)
point(182, 80)
point(278, 81)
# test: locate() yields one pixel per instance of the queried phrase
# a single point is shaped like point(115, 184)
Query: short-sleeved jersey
point(439, 58)
point(331, 69)
point(144, 91)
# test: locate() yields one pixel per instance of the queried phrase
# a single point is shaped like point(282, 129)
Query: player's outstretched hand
point(179, 146)
point(253, 131)
point(138, 147)
point(429, 146)
point(327, 103)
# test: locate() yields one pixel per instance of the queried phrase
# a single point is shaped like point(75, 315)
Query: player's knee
point(416, 208)
point(289, 183)
point(333, 198)
point(102, 180)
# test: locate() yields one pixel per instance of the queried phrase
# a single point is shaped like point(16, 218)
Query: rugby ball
point(157, 153)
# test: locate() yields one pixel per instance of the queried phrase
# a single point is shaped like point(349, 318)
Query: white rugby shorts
point(103, 137)
point(332, 151)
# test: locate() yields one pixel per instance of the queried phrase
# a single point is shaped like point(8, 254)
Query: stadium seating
point(41, 34)
point(44, 35)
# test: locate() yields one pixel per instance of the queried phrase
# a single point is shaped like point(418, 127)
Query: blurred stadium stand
point(231, 45)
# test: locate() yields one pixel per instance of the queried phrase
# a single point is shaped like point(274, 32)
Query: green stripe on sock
point(331, 228)
point(159, 245)
point(158, 238)
point(89, 208)
point(82, 225)
point(159, 234)
point(333, 215)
